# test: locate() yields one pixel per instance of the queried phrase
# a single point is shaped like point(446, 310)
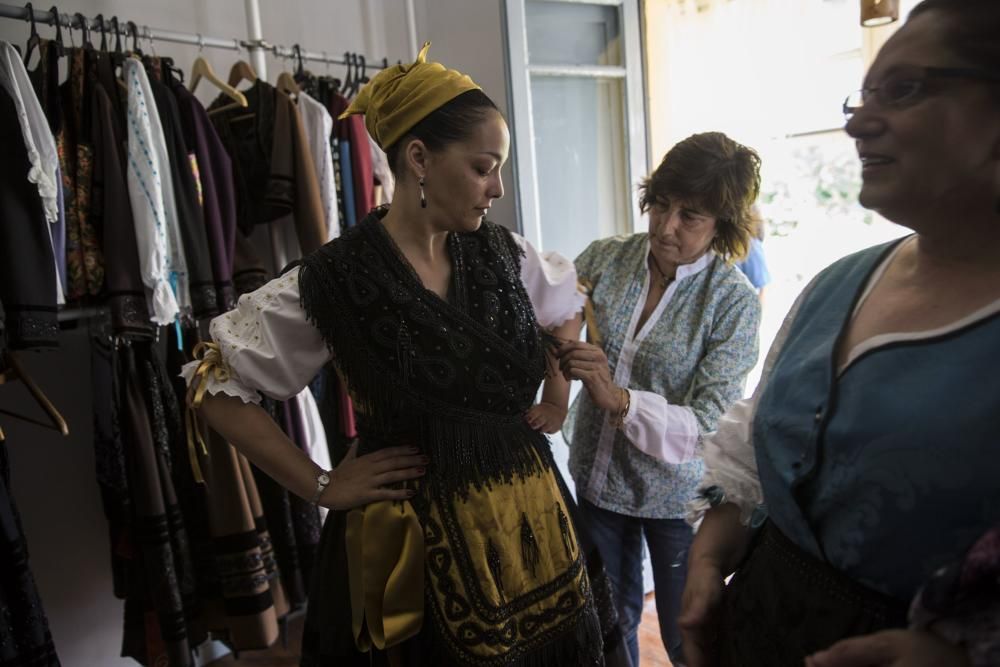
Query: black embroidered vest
point(454, 377)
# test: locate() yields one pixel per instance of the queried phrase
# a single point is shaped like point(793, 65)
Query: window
point(579, 125)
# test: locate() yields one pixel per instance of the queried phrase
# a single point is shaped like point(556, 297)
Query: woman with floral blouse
point(672, 333)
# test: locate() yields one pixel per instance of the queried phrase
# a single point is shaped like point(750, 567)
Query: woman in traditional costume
point(451, 539)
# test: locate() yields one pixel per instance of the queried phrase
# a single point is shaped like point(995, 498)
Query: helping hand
point(588, 363)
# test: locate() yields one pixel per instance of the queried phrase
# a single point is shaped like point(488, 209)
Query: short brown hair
point(716, 175)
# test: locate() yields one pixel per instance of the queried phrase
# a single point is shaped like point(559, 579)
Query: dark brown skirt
point(783, 604)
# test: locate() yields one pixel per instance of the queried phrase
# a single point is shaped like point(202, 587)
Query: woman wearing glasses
point(867, 459)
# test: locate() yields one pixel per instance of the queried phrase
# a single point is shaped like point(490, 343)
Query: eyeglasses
point(907, 86)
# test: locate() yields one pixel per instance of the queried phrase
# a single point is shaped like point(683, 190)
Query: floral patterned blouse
point(684, 368)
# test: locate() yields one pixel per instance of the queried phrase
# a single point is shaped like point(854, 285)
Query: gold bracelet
point(624, 403)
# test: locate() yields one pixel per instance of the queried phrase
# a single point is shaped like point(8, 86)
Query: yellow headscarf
point(399, 97)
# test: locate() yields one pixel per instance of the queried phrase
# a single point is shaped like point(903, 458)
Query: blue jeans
point(619, 539)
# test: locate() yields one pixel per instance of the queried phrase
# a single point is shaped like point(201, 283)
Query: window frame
point(519, 73)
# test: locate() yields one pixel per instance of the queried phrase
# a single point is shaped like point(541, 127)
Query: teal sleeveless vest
point(892, 469)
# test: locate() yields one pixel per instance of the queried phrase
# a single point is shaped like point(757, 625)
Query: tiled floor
point(650, 646)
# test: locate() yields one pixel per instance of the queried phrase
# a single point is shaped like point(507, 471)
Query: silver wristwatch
point(322, 480)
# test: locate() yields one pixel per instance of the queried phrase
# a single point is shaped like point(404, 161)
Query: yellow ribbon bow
point(212, 364)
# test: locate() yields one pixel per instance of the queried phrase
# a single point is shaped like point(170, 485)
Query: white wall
point(53, 477)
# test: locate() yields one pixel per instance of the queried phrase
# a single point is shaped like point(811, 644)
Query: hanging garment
point(280, 513)
point(305, 517)
point(154, 210)
point(352, 129)
point(251, 594)
point(338, 182)
point(217, 196)
point(158, 573)
point(27, 274)
point(318, 125)
point(239, 596)
point(347, 182)
point(110, 205)
point(201, 283)
point(41, 147)
point(24, 633)
point(272, 167)
point(84, 259)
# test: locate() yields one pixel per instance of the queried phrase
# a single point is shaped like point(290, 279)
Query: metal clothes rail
point(255, 44)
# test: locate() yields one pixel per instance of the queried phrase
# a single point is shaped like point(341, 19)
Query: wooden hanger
point(286, 83)
point(14, 371)
point(241, 71)
point(202, 70)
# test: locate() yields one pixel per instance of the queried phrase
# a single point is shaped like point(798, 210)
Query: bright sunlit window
point(772, 74)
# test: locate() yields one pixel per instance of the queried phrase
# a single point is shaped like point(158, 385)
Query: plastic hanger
point(85, 42)
point(355, 76)
point(34, 39)
point(364, 74)
point(57, 22)
point(118, 55)
point(131, 27)
point(118, 36)
point(14, 371)
point(349, 77)
point(104, 32)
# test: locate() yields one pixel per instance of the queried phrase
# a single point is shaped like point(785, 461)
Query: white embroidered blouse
point(270, 348)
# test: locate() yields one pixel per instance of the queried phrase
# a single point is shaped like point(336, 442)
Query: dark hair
point(972, 31)
point(718, 176)
point(449, 123)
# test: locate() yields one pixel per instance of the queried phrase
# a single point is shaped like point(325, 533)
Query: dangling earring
point(423, 197)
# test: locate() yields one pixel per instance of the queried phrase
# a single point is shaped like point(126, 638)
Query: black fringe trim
point(467, 448)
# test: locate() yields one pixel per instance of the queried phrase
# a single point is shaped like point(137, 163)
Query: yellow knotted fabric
point(385, 562)
point(593, 333)
point(399, 97)
point(211, 364)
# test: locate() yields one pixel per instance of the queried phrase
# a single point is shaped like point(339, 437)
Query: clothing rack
point(144, 32)
point(255, 45)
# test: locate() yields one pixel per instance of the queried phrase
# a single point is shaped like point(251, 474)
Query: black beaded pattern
point(456, 377)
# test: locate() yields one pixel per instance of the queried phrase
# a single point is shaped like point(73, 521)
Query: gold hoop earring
point(423, 197)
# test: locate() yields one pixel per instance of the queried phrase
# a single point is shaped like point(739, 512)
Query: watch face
point(324, 478)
